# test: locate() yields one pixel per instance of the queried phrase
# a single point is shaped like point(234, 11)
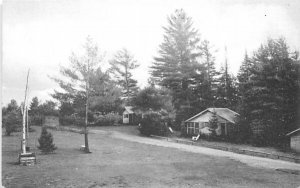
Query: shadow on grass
point(13, 163)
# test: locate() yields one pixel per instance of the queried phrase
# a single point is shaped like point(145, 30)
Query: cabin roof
point(293, 132)
point(224, 113)
point(128, 109)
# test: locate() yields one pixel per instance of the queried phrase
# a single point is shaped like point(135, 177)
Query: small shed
point(128, 115)
point(226, 121)
point(295, 140)
point(51, 121)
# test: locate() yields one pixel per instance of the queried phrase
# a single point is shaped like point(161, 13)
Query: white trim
point(293, 132)
point(196, 115)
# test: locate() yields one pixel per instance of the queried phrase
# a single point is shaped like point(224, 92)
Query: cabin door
point(223, 127)
point(130, 118)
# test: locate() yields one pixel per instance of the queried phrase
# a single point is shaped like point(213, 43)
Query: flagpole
point(24, 118)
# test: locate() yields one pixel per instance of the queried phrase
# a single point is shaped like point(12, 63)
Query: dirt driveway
point(249, 160)
point(122, 160)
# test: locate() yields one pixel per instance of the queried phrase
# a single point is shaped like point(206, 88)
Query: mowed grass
point(119, 163)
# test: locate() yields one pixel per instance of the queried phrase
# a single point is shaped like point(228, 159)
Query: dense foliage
point(11, 117)
point(269, 89)
point(151, 99)
point(107, 119)
point(37, 111)
point(152, 124)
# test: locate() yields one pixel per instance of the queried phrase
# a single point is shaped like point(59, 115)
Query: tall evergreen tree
point(227, 95)
point(244, 77)
point(245, 70)
point(122, 66)
point(34, 106)
point(271, 96)
point(176, 66)
point(206, 81)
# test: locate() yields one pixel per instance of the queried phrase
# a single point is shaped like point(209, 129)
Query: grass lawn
point(120, 163)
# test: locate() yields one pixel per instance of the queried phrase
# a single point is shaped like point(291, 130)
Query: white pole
point(24, 132)
point(27, 126)
point(24, 119)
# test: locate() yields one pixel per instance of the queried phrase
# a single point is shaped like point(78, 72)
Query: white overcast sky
point(41, 34)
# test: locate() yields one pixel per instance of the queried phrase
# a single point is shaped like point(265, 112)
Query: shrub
point(258, 134)
point(240, 132)
point(36, 120)
point(71, 120)
point(183, 130)
point(152, 124)
point(46, 141)
point(107, 119)
point(12, 121)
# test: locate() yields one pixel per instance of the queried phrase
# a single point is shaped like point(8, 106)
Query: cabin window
point(196, 128)
point(190, 128)
point(206, 124)
point(125, 115)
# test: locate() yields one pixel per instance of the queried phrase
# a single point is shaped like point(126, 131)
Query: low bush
point(71, 120)
point(258, 134)
point(107, 119)
point(152, 124)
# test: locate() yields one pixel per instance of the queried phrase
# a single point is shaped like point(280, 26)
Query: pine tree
point(77, 82)
point(206, 81)
point(213, 121)
point(244, 76)
point(122, 66)
point(227, 95)
point(245, 71)
point(213, 124)
point(34, 106)
point(176, 66)
point(271, 93)
point(46, 141)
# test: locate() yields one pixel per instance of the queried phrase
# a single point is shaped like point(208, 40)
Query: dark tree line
point(269, 92)
point(12, 115)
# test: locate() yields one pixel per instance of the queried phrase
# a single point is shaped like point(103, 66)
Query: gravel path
point(246, 159)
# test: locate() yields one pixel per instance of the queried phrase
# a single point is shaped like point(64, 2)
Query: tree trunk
point(86, 141)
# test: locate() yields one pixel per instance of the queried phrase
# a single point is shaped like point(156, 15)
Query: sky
point(40, 35)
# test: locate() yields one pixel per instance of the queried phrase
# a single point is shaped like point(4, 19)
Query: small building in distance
point(51, 121)
point(295, 140)
point(128, 115)
point(226, 121)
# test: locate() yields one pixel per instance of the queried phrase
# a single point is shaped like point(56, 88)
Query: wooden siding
point(295, 142)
